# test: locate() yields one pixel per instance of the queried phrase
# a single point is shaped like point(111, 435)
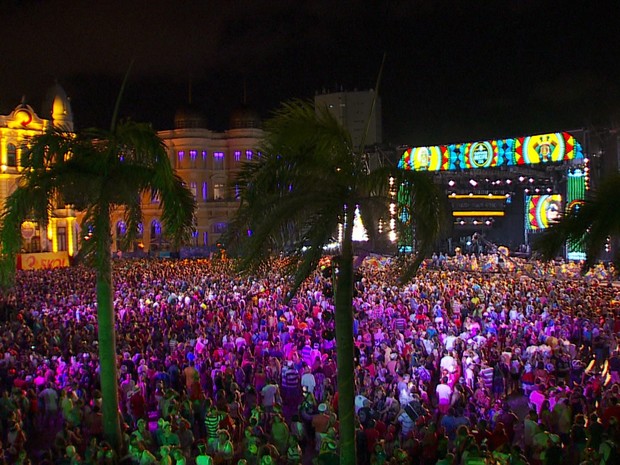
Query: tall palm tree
point(589, 224)
point(98, 171)
point(306, 184)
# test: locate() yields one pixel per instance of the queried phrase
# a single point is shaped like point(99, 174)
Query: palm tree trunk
point(344, 348)
point(107, 338)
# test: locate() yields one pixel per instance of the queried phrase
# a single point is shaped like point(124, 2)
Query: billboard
point(529, 150)
point(541, 211)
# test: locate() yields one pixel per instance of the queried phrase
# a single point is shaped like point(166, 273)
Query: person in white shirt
point(308, 382)
point(444, 394)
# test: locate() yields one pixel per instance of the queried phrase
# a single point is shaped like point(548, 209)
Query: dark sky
point(454, 71)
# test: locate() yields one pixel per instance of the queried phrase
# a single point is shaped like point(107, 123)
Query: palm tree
point(98, 171)
point(306, 184)
point(588, 224)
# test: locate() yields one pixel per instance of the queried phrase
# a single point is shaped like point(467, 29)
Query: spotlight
point(473, 182)
point(527, 191)
point(531, 180)
point(521, 178)
point(451, 183)
point(508, 181)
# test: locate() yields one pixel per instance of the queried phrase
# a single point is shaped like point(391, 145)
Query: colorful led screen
point(529, 150)
point(541, 211)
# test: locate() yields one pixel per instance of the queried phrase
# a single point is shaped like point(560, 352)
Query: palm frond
point(588, 225)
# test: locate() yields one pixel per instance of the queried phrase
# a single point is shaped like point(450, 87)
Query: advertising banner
point(42, 261)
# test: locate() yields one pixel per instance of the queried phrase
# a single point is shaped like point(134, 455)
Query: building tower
point(353, 111)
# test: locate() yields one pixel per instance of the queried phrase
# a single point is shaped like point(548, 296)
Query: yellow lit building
point(16, 130)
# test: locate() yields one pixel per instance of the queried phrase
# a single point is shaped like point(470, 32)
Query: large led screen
point(541, 211)
point(529, 150)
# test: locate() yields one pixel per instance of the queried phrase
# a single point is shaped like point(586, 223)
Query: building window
point(180, 155)
point(194, 188)
point(205, 238)
point(192, 157)
point(154, 197)
point(61, 236)
point(248, 154)
point(204, 154)
point(23, 151)
point(237, 155)
point(237, 192)
point(205, 192)
point(218, 161)
point(121, 230)
point(218, 191)
point(220, 228)
point(155, 229)
point(11, 155)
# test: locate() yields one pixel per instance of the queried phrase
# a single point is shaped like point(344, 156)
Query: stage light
point(473, 182)
point(508, 181)
point(527, 191)
point(451, 183)
point(521, 178)
point(488, 222)
point(531, 180)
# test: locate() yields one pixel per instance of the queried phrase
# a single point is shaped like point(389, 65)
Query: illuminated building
point(207, 161)
point(16, 130)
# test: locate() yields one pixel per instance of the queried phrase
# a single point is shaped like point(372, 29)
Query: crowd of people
point(457, 367)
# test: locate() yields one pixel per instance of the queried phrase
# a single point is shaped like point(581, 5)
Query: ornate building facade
point(206, 160)
point(16, 130)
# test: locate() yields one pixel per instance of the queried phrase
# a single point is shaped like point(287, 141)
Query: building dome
point(188, 117)
point(245, 117)
point(57, 107)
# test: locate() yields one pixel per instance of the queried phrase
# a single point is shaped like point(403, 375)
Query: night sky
point(454, 70)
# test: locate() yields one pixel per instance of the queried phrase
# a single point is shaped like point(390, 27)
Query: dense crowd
point(217, 368)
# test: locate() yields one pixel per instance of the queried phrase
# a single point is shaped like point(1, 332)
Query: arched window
point(11, 155)
point(158, 240)
point(121, 230)
point(155, 229)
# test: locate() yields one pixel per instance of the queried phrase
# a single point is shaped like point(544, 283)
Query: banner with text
point(42, 261)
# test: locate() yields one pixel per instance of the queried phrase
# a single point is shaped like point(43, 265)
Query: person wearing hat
point(320, 423)
point(143, 435)
point(167, 437)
